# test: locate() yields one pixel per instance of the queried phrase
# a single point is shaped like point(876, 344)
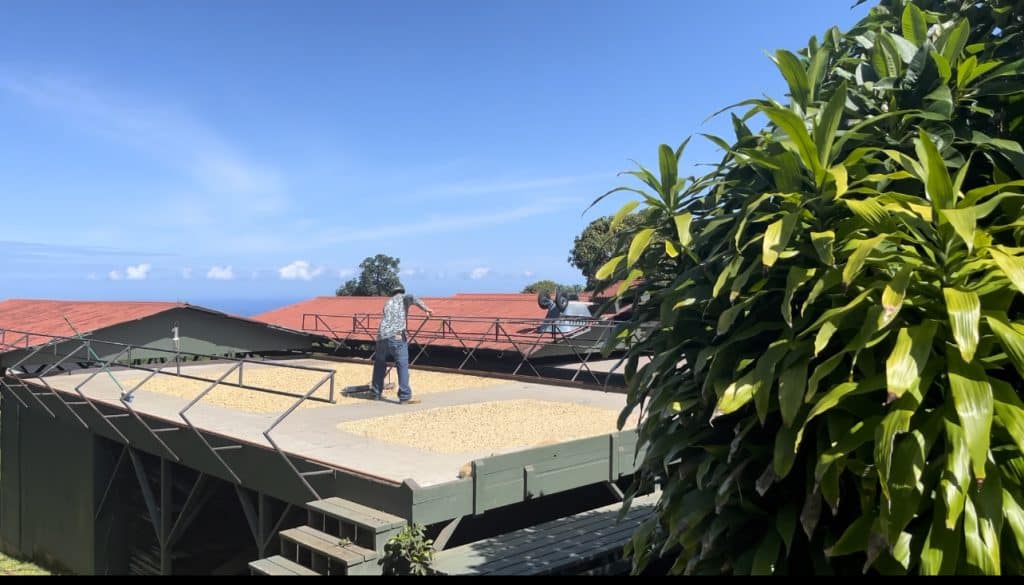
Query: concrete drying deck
point(313, 432)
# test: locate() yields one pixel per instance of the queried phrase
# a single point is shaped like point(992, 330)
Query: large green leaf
point(622, 213)
point(893, 294)
point(639, 244)
point(952, 42)
point(964, 222)
point(1014, 515)
point(822, 242)
point(793, 71)
point(1012, 266)
point(795, 128)
point(964, 309)
point(1011, 336)
point(972, 397)
point(767, 554)
point(792, 384)
point(909, 358)
point(682, 222)
point(915, 27)
point(860, 254)
point(957, 478)
point(828, 123)
point(942, 545)
point(854, 539)
point(983, 516)
point(668, 163)
point(608, 268)
point(938, 184)
point(776, 238)
point(737, 394)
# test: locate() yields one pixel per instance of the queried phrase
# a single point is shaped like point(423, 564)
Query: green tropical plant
point(409, 552)
point(596, 243)
point(836, 376)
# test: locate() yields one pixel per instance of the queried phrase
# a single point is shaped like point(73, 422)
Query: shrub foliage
point(836, 380)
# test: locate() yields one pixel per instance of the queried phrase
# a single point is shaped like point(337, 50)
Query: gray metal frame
point(458, 332)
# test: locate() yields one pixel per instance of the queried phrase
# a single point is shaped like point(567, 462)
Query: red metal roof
point(46, 317)
point(470, 315)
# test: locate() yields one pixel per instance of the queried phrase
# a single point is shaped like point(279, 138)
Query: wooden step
point(362, 525)
point(327, 554)
point(278, 565)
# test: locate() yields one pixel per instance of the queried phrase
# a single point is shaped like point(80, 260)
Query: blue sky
point(260, 150)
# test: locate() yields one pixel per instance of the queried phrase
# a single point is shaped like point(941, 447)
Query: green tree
point(595, 244)
point(846, 292)
point(378, 276)
point(551, 286)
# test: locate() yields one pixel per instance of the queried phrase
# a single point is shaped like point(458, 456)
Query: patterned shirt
point(396, 311)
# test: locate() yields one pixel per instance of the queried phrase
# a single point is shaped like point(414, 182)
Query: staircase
point(340, 538)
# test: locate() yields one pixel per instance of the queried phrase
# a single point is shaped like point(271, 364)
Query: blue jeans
point(398, 350)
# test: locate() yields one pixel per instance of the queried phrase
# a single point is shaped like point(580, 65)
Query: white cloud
point(93, 276)
point(139, 272)
point(299, 270)
point(221, 273)
point(478, 273)
point(527, 273)
point(345, 272)
point(114, 275)
point(186, 273)
point(409, 272)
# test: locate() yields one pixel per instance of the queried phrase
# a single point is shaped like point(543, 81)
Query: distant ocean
point(245, 307)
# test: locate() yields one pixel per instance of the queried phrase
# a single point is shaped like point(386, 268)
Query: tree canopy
point(378, 276)
point(551, 286)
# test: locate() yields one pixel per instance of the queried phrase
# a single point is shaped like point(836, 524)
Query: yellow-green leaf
point(683, 228)
point(1011, 337)
point(609, 267)
point(972, 398)
point(795, 127)
point(964, 222)
point(964, 309)
point(915, 28)
point(776, 237)
point(738, 393)
point(938, 184)
point(954, 482)
point(828, 123)
point(628, 281)
point(828, 329)
point(909, 357)
point(840, 176)
point(953, 40)
point(670, 249)
point(639, 244)
point(856, 261)
point(869, 210)
point(1012, 266)
point(893, 295)
point(823, 246)
point(622, 213)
